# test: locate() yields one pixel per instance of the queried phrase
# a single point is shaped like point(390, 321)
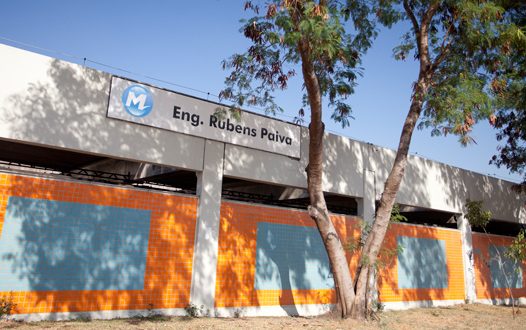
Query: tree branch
point(411, 15)
point(423, 44)
point(444, 49)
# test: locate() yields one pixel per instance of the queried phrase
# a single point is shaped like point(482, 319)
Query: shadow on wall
point(73, 247)
point(68, 109)
point(291, 258)
point(60, 246)
point(271, 256)
point(496, 277)
point(427, 266)
point(438, 186)
point(422, 263)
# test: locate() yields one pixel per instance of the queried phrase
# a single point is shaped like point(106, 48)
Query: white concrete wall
point(343, 165)
point(62, 105)
point(54, 103)
point(442, 187)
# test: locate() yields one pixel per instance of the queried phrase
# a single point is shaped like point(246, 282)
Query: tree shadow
point(491, 282)
point(273, 256)
point(427, 266)
point(77, 247)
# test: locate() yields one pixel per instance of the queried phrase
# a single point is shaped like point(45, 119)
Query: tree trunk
point(318, 208)
point(376, 237)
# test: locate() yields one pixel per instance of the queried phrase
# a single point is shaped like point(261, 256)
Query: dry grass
point(458, 317)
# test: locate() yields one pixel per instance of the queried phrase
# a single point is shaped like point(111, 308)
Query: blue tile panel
point(422, 263)
point(504, 271)
point(56, 246)
point(291, 257)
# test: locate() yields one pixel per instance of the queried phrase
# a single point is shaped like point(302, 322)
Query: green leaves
point(508, 87)
point(396, 216)
point(476, 215)
point(517, 250)
point(467, 46)
point(333, 34)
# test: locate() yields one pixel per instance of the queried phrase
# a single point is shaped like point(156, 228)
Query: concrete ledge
point(288, 310)
point(401, 305)
point(501, 301)
point(252, 311)
point(97, 315)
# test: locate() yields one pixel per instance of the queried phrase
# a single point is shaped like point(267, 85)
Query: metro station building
point(118, 198)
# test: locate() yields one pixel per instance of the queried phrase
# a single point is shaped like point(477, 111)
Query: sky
point(179, 45)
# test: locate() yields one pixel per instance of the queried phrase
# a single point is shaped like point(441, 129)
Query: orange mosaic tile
point(168, 269)
point(483, 281)
point(389, 290)
point(235, 286)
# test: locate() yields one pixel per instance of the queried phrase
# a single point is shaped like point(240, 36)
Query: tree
point(452, 41)
point(509, 88)
point(316, 35)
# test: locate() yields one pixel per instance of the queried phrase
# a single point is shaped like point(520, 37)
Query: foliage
point(395, 214)
point(509, 89)
point(193, 310)
point(386, 255)
point(476, 215)
point(465, 39)
point(517, 250)
point(455, 42)
point(274, 55)
point(6, 305)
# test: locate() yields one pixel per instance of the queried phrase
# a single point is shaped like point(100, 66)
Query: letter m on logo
point(137, 101)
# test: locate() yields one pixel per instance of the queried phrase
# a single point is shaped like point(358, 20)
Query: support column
point(367, 210)
point(366, 206)
point(209, 184)
point(467, 257)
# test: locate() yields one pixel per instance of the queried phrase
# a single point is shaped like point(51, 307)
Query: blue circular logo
point(137, 101)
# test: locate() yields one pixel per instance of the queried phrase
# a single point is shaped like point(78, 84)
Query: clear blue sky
point(184, 42)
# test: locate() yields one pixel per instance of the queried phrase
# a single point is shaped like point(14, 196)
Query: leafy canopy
point(509, 90)
point(468, 40)
point(336, 33)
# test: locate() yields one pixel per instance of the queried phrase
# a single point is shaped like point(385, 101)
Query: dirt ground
point(458, 317)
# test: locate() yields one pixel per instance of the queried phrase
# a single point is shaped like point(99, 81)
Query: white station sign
point(146, 105)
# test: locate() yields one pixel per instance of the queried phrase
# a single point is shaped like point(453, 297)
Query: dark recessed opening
point(498, 227)
point(428, 217)
point(255, 192)
point(27, 158)
point(36, 156)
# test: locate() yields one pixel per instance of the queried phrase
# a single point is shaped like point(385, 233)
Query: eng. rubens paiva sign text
point(160, 108)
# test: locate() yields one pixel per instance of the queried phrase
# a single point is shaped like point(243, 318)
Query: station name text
point(231, 126)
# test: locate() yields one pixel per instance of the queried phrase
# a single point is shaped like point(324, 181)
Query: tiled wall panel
point(291, 267)
point(426, 264)
point(495, 276)
point(73, 247)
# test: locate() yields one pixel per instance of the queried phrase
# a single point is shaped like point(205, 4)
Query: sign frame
point(194, 116)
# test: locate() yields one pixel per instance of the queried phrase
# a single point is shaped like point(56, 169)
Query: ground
point(474, 316)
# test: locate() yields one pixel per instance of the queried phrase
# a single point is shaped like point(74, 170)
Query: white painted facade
point(71, 114)
point(56, 104)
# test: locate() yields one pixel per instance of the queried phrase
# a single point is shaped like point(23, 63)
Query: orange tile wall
point(483, 283)
point(237, 256)
point(170, 252)
point(169, 256)
point(388, 276)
